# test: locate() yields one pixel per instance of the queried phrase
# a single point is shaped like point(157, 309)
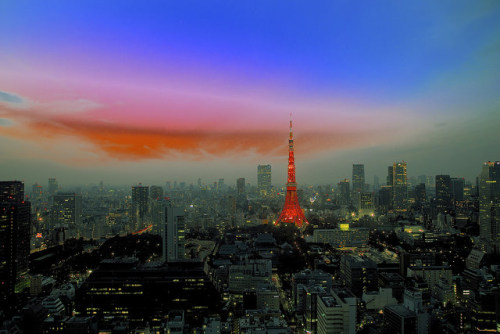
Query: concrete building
point(173, 233)
point(67, 213)
point(15, 219)
point(264, 179)
point(140, 207)
point(358, 178)
point(399, 181)
point(337, 313)
point(489, 206)
point(344, 236)
point(399, 319)
point(358, 274)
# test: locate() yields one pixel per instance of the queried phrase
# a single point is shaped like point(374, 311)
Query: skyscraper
point(292, 212)
point(67, 212)
point(140, 206)
point(457, 188)
point(173, 233)
point(14, 239)
point(36, 192)
point(420, 195)
point(344, 193)
point(399, 186)
point(264, 179)
point(489, 206)
point(53, 186)
point(220, 185)
point(156, 208)
point(11, 191)
point(156, 192)
point(358, 178)
point(443, 193)
point(240, 186)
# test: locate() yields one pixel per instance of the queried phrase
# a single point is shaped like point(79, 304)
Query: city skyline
point(149, 93)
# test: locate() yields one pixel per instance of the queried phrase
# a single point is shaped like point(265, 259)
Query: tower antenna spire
point(292, 212)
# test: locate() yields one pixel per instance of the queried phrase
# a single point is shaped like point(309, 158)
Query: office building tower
point(344, 193)
point(156, 192)
point(156, 208)
point(14, 248)
point(53, 186)
point(489, 206)
point(376, 183)
point(399, 186)
point(292, 212)
point(240, 186)
point(443, 193)
point(36, 191)
point(11, 191)
point(173, 233)
point(67, 213)
point(264, 179)
point(366, 204)
point(457, 188)
point(389, 175)
point(220, 185)
point(337, 312)
point(358, 178)
point(385, 198)
point(358, 274)
point(140, 207)
point(420, 195)
point(399, 319)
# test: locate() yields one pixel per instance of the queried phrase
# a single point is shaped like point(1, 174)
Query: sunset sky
point(150, 91)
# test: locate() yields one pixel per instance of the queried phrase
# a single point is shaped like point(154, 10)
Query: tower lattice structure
point(292, 212)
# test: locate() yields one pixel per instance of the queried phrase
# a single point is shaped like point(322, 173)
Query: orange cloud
point(131, 142)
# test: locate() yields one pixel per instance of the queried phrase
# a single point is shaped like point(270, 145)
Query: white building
point(173, 233)
point(337, 313)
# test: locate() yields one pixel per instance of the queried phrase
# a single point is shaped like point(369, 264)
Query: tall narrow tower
point(291, 213)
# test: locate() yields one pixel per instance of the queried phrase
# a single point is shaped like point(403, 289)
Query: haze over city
point(141, 92)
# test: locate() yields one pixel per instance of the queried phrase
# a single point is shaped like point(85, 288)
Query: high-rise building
point(240, 186)
point(156, 192)
point(358, 274)
point(358, 178)
point(36, 191)
point(220, 185)
point(156, 208)
point(140, 207)
point(376, 183)
point(67, 212)
point(344, 193)
point(173, 233)
point(384, 200)
point(11, 191)
point(489, 206)
point(366, 204)
point(14, 240)
point(443, 193)
point(264, 179)
point(420, 195)
point(292, 212)
point(53, 186)
point(399, 186)
point(457, 188)
point(337, 312)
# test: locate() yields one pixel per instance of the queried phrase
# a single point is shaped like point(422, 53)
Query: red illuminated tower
point(291, 213)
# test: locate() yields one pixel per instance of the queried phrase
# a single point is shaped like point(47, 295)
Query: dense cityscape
point(413, 254)
point(255, 167)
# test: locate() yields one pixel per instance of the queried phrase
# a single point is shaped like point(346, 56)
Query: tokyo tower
point(291, 213)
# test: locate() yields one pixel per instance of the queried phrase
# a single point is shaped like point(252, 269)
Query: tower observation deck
point(292, 212)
